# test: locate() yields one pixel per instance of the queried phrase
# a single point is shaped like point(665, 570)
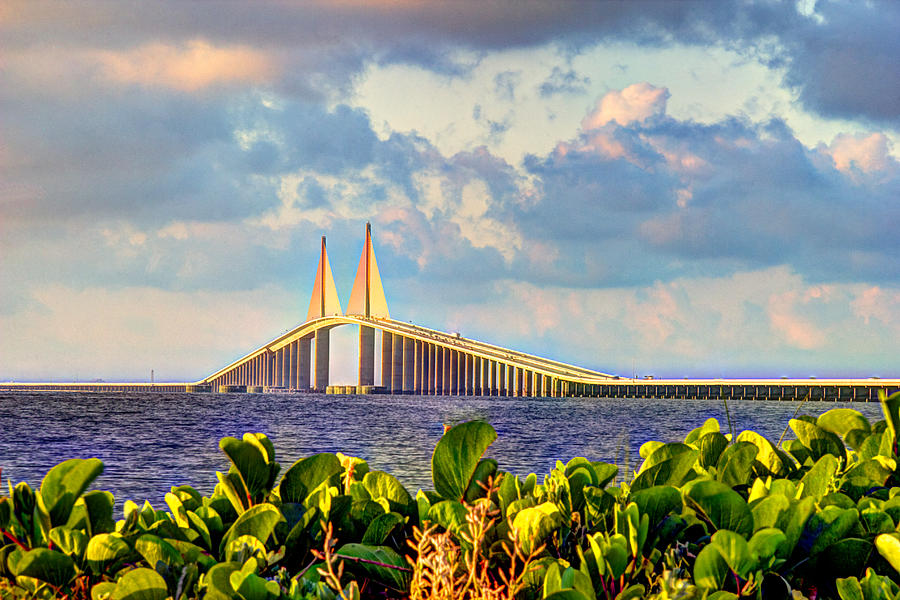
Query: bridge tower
point(324, 302)
point(367, 300)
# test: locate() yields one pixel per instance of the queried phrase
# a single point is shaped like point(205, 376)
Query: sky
point(702, 189)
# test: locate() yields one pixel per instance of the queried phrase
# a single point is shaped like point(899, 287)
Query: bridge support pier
point(387, 347)
point(409, 365)
point(322, 351)
point(303, 347)
point(366, 355)
point(397, 364)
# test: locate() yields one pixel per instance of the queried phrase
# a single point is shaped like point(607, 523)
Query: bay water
point(150, 442)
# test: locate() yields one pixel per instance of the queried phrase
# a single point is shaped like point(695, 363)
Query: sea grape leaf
point(307, 474)
point(104, 550)
point(64, 484)
point(827, 527)
point(710, 568)
point(670, 465)
point(736, 463)
point(533, 524)
point(819, 441)
point(155, 549)
point(772, 460)
point(258, 521)
point(841, 421)
point(817, 479)
point(218, 581)
point(456, 457)
point(484, 470)
point(380, 528)
point(449, 514)
point(384, 485)
point(72, 542)
point(253, 460)
point(657, 502)
point(735, 550)
point(141, 584)
point(711, 446)
point(46, 565)
point(767, 511)
point(711, 425)
point(722, 506)
point(384, 565)
point(888, 547)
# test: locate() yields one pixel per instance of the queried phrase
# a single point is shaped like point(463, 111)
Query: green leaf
point(253, 458)
point(141, 584)
point(736, 463)
point(735, 550)
point(710, 568)
point(485, 470)
point(307, 474)
point(888, 547)
point(258, 521)
point(449, 514)
point(456, 457)
point(764, 547)
point(819, 441)
point(890, 405)
point(65, 483)
point(657, 502)
point(668, 465)
point(391, 570)
point(849, 589)
point(384, 485)
point(104, 550)
point(248, 584)
point(218, 581)
point(845, 557)
point(710, 426)
point(570, 594)
point(46, 565)
point(99, 511)
point(817, 479)
point(711, 446)
point(379, 529)
point(772, 460)
point(155, 550)
point(533, 524)
point(71, 541)
point(767, 511)
point(721, 505)
point(827, 527)
point(103, 590)
point(841, 421)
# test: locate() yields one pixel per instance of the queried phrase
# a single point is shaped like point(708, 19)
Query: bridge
point(414, 359)
point(418, 360)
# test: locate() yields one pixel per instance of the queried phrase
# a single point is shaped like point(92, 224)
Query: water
point(150, 442)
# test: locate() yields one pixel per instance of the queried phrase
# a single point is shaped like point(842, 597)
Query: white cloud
point(190, 67)
point(637, 102)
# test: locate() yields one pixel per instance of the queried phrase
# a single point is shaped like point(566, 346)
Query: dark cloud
point(563, 82)
point(841, 59)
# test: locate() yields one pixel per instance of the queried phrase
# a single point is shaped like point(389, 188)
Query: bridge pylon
point(323, 303)
point(367, 299)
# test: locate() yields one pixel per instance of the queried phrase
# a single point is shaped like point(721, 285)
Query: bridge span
point(418, 360)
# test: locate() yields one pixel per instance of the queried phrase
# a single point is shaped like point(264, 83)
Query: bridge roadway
point(418, 360)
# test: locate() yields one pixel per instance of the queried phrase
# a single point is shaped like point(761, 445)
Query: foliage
point(712, 516)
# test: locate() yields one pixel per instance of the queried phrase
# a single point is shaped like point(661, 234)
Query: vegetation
point(713, 516)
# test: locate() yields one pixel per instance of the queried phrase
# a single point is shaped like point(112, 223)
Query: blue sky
point(692, 188)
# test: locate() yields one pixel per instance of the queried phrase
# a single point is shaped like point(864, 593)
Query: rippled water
point(150, 442)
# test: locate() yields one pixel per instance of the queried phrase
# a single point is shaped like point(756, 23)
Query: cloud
point(861, 153)
point(563, 82)
point(189, 67)
point(637, 102)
